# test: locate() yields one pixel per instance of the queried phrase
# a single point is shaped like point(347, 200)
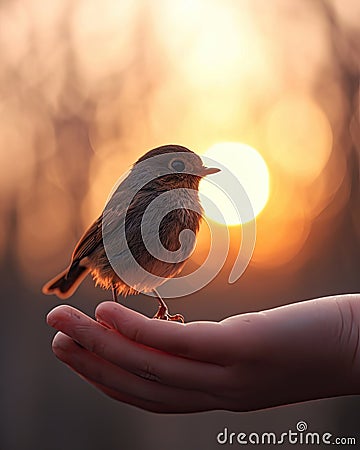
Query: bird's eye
point(178, 165)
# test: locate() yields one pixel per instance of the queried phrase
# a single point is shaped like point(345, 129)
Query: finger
point(201, 341)
point(99, 372)
point(127, 387)
point(142, 361)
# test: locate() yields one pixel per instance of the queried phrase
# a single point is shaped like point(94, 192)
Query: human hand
point(299, 352)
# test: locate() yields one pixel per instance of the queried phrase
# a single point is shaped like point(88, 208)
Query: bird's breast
point(153, 232)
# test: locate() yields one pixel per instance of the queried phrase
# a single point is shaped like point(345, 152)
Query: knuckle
point(134, 333)
point(97, 347)
point(82, 330)
point(147, 372)
point(91, 341)
point(137, 335)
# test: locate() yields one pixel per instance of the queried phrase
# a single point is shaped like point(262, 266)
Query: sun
point(250, 170)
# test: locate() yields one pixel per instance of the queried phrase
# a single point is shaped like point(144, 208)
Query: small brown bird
point(102, 250)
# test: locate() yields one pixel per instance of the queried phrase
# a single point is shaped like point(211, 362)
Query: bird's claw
point(163, 314)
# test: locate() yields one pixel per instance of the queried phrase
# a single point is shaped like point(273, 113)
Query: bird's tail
point(66, 283)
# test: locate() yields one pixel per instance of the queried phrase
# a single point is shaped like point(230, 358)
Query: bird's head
point(173, 166)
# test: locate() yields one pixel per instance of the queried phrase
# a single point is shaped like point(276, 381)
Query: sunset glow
point(126, 78)
point(252, 173)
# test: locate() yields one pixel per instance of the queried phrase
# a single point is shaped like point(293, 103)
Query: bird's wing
point(108, 221)
point(89, 241)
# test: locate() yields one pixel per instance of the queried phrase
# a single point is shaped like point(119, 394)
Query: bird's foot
point(114, 294)
point(163, 314)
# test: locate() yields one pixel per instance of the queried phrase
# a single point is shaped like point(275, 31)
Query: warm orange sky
point(141, 74)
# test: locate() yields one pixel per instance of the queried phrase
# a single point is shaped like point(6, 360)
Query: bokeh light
point(250, 170)
point(299, 137)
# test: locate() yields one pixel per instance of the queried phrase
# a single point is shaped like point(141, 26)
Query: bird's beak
point(209, 171)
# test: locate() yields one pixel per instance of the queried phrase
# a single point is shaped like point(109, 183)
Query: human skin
point(294, 353)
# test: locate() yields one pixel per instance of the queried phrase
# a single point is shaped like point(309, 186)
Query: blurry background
point(86, 87)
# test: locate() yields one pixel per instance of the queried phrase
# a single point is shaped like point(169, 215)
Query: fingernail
point(58, 342)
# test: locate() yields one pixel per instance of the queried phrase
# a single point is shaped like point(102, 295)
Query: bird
point(171, 170)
